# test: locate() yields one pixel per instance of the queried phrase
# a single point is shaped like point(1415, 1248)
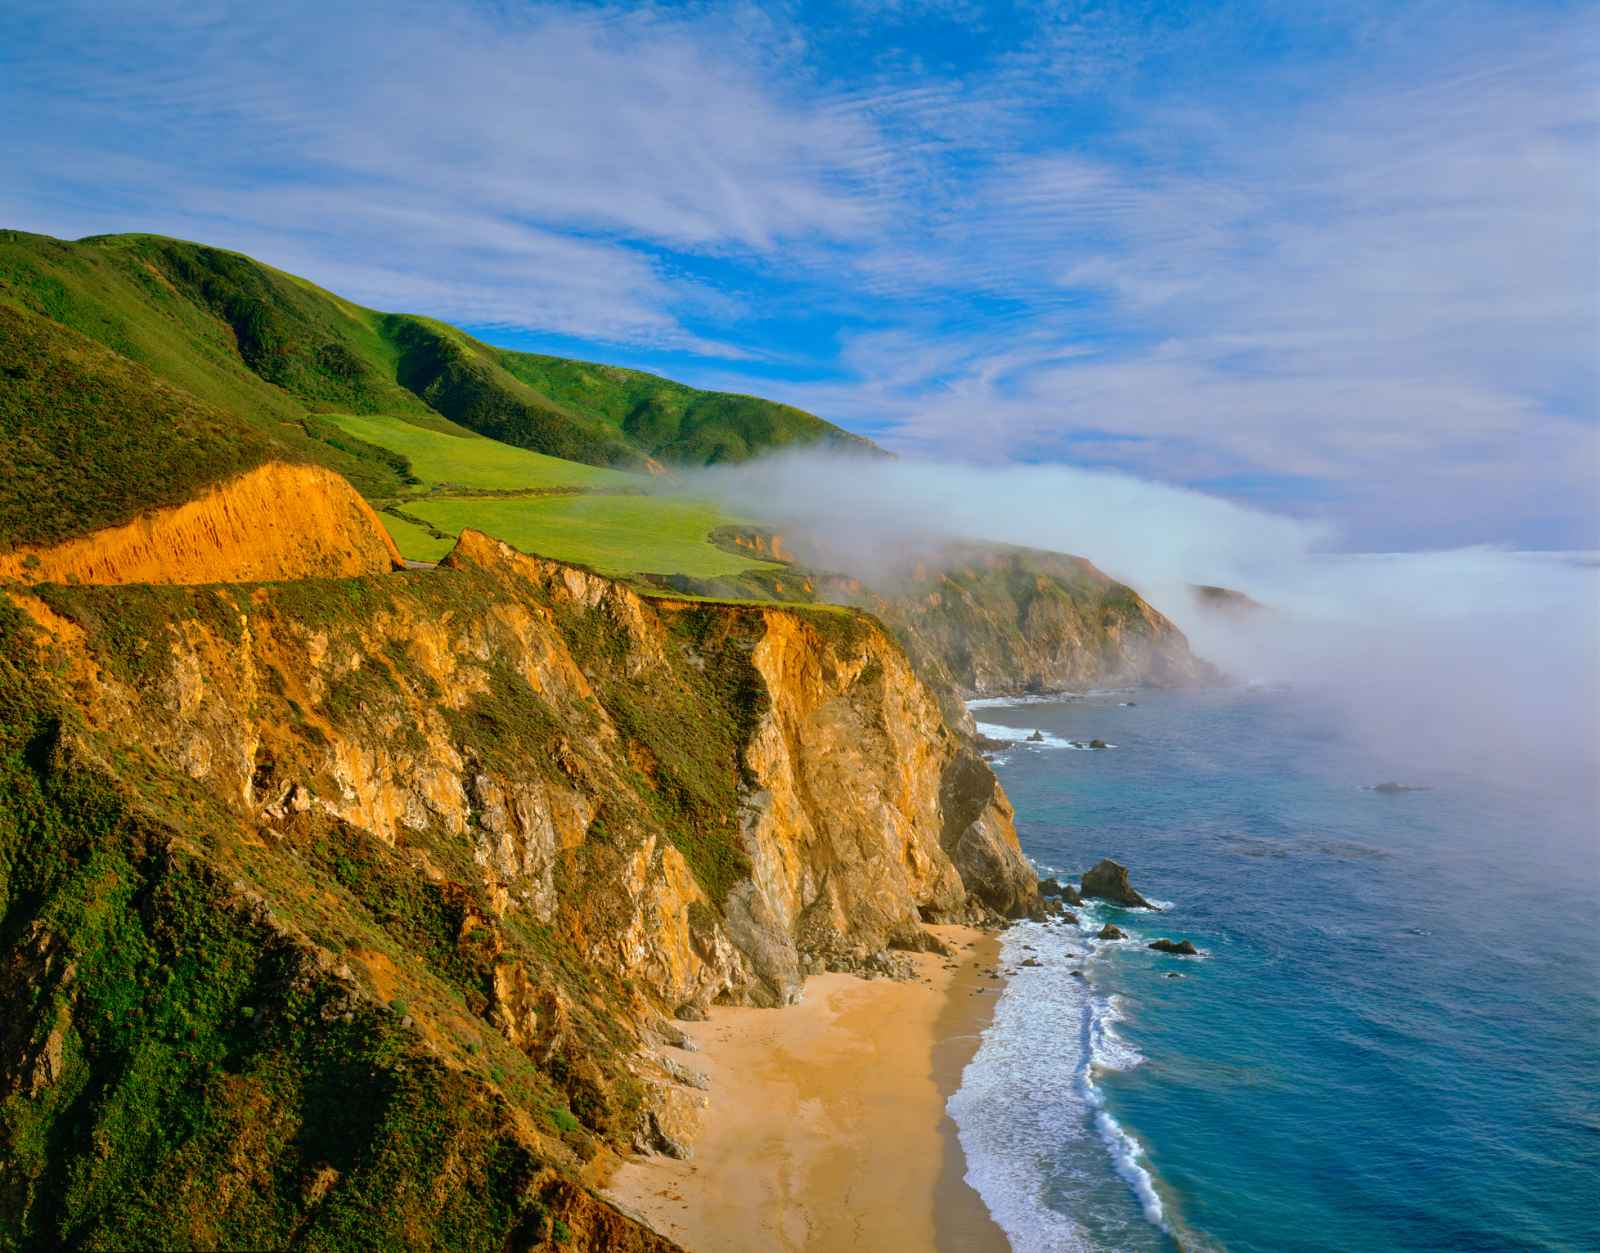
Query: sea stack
point(1109, 882)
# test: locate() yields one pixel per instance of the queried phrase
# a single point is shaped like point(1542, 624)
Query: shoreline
point(826, 1126)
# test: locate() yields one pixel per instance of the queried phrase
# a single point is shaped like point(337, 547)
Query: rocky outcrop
point(1111, 932)
point(1224, 600)
point(1109, 882)
point(997, 620)
point(1180, 948)
point(276, 521)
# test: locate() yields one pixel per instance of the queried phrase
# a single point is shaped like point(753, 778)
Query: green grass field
point(469, 460)
point(414, 541)
point(616, 535)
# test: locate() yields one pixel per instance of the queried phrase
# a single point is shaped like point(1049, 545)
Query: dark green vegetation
point(672, 422)
point(271, 348)
point(88, 438)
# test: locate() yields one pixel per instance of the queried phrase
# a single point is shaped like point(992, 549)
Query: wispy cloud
point(1342, 261)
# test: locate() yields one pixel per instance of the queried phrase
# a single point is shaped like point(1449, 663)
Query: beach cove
point(825, 1123)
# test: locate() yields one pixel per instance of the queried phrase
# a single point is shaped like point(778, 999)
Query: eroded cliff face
point(277, 521)
point(529, 812)
point(980, 619)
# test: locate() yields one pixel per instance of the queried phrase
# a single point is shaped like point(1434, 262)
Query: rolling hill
point(272, 347)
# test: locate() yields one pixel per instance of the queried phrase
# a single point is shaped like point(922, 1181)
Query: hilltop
point(271, 347)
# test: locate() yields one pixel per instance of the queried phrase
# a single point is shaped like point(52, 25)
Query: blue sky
point(1338, 261)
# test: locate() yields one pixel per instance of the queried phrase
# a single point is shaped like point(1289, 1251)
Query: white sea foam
point(1028, 1107)
point(1003, 702)
point(1022, 736)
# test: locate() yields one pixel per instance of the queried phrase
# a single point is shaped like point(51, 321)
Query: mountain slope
point(271, 347)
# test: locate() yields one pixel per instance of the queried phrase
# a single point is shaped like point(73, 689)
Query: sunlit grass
point(616, 535)
point(473, 461)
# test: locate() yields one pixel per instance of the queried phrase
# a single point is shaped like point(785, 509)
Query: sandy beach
point(826, 1127)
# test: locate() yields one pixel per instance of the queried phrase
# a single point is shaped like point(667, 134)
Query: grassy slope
point(272, 347)
point(673, 422)
point(88, 438)
point(468, 460)
point(616, 535)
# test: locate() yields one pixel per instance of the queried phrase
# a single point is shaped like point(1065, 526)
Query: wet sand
point(826, 1128)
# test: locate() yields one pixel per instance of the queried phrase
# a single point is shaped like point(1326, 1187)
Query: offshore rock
point(1111, 932)
point(1182, 948)
point(1109, 882)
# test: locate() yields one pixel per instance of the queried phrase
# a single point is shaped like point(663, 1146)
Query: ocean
point(1390, 1040)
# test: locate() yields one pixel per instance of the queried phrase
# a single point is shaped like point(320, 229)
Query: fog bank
point(1474, 659)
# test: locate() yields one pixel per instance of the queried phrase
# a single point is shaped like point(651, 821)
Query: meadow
point(447, 459)
point(616, 535)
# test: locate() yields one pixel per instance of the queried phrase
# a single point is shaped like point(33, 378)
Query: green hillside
point(616, 535)
point(464, 459)
point(272, 347)
point(89, 439)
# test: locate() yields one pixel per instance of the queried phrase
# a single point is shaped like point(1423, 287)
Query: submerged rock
point(1389, 789)
point(1111, 932)
point(1183, 948)
point(1109, 882)
point(1097, 743)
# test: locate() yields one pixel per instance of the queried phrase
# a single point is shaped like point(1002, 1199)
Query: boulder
point(1031, 961)
point(1049, 887)
point(1109, 882)
point(1111, 932)
point(1183, 948)
point(1070, 895)
point(1068, 916)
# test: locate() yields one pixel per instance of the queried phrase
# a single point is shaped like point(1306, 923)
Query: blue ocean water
point(1391, 1040)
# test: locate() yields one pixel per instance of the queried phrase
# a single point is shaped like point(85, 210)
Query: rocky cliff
point(356, 910)
point(997, 620)
point(989, 619)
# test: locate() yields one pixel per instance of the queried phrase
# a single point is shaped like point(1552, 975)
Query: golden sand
point(826, 1127)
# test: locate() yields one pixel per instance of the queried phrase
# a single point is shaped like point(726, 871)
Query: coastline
point(826, 1125)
